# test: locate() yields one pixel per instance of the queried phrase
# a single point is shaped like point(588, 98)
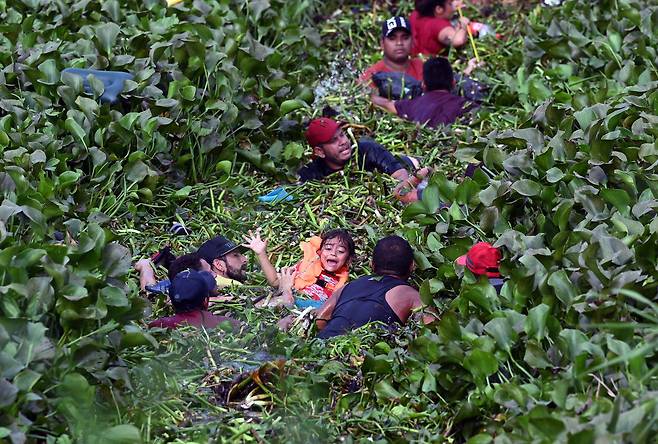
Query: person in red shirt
point(433, 31)
point(189, 293)
point(396, 46)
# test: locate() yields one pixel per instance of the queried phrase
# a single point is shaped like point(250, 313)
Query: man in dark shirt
point(332, 150)
point(189, 293)
point(437, 106)
point(385, 297)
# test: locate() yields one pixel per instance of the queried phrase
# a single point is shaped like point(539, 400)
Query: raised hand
point(255, 243)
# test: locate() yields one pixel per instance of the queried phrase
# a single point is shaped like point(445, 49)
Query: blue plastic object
point(305, 303)
point(161, 287)
point(113, 82)
point(277, 195)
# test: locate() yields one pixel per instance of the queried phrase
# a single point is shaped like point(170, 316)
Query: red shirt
point(414, 69)
point(426, 34)
point(196, 318)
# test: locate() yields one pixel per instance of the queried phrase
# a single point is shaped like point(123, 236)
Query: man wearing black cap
point(396, 45)
point(223, 257)
point(189, 293)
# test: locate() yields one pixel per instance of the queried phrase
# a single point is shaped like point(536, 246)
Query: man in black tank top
point(385, 297)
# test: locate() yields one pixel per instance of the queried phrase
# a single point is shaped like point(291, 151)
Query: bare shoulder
point(403, 299)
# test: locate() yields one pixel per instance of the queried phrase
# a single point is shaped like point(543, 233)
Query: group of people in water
point(403, 84)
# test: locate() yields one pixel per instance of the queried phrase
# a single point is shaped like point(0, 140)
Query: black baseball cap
point(393, 24)
point(216, 247)
point(190, 289)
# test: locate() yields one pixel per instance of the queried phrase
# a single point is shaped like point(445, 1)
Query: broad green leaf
point(535, 322)
point(480, 363)
point(121, 434)
point(564, 289)
point(526, 187)
point(116, 260)
point(502, 332)
point(289, 106)
point(107, 36)
point(76, 130)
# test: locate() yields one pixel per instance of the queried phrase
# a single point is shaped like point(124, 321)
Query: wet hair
point(343, 238)
point(437, 74)
point(392, 255)
point(191, 261)
point(426, 7)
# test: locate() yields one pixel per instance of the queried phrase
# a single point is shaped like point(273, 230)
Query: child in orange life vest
point(324, 268)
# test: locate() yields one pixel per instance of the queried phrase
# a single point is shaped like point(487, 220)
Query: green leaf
point(502, 332)
point(480, 363)
point(289, 106)
point(617, 197)
point(564, 289)
point(116, 260)
point(535, 322)
point(385, 391)
point(107, 36)
point(76, 130)
point(526, 187)
point(8, 393)
point(121, 434)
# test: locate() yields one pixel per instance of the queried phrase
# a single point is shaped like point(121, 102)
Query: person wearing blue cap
point(189, 293)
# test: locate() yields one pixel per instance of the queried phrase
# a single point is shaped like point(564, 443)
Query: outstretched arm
point(385, 104)
point(259, 247)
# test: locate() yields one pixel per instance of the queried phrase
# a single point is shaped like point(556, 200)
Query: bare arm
point(404, 300)
point(324, 313)
point(385, 104)
point(146, 273)
point(455, 37)
point(259, 247)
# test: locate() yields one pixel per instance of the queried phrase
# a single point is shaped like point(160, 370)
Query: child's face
point(333, 255)
point(447, 11)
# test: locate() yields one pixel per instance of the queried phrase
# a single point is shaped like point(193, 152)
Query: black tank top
point(362, 301)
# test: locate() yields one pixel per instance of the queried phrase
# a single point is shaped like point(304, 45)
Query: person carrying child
point(433, 31)
point(323, 269)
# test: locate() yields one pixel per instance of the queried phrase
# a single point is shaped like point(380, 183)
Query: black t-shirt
point(362, 301)
point(371, 156)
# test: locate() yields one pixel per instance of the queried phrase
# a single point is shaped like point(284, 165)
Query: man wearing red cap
point(483, 259)
point(332, 150)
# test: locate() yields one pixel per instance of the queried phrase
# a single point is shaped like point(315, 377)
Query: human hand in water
point(287, 277)
point(143, 264)
point(463, 21)
point(255, 243)
point(472, 64)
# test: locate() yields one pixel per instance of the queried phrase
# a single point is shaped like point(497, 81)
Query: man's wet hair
point(426, 7)
point(392, 255)
point(343, 238)
point(437, 74)
point(191, 261)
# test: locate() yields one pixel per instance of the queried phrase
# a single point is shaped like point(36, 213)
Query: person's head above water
point(329, 142)
point(482, 259)
point(393, 256)
point(190, 261)
point(438, 75)
point(435, 8)
point(190, 290)
point(336, 250)
point(396, 40)
point(225, 258)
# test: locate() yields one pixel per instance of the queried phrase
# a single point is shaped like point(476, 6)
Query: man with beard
point(219, 256)
point(332, 150)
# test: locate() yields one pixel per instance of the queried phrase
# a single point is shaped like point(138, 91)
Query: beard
point(237, 274)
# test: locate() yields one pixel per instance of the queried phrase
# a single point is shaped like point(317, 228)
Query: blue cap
point(190, 289)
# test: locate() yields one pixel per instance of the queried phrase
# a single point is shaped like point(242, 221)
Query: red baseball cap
point(482, 259)
point(321, 131)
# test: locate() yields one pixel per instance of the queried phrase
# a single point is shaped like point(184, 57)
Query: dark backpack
point(471, 89)
point(397, 85)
